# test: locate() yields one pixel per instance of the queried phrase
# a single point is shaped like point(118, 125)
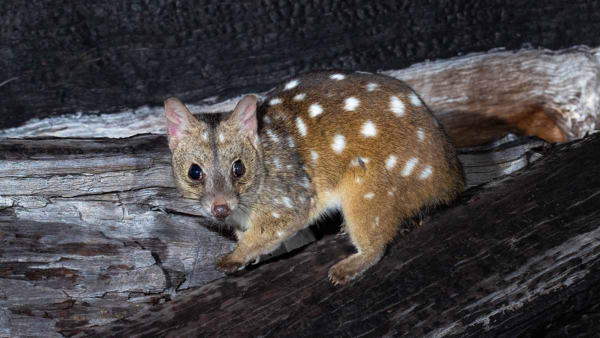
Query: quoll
point(359, 143)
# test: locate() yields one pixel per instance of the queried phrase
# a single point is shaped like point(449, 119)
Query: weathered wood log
point(117, 54)
point(513, 258)
point(478, 98)
point(92, 230)
point(552, 95)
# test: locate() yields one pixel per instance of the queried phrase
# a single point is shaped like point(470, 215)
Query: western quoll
point(359, 143)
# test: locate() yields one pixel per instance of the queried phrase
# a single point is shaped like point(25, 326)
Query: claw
point(228, 265)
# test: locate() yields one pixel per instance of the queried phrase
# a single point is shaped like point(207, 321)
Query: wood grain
point(514, 258)
point(554, 95)
point(93, 230)
point(478, 98)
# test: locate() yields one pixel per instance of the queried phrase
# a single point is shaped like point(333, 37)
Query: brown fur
point(286, 187)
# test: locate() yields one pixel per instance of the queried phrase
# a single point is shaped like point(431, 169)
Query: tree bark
point(93, 230)
point(84, 56)
point(519, 257)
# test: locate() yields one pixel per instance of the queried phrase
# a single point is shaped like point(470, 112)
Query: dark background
point(61, 57)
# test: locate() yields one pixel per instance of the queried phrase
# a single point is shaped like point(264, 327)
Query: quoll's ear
point(244, 115)
point(180, 121)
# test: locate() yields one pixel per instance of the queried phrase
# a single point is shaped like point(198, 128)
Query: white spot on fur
point(279, 234)
point(315, 110)
point(372, 86)
point(390, 163)
point(354, 162)
point(358, 180)
point(301, 126)
point(276, 215)
point(221, 138)
point(339, 143)
point(275, 101)
point(273, 136)
point(337, 77)
point(396, 106)
point(288, 202)
point(409, 166)
point(277, 163)
point(390, 193)
point(415, 100)
point(351, 103)
point(369, 129)
point(420, 134)
point(305, 183)
point(314, 156)
point(205, 136)
point(426, 172)
point(291, 84)
point(362, 72)
point(377, 220)
point(267, 119)
point(291, 142)
point(289, 167)
point(299, 97)
point(369, 195)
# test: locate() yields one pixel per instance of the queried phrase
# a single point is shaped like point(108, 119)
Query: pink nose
point(221, 211)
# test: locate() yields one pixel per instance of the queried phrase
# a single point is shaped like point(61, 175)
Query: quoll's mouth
point(220, 218)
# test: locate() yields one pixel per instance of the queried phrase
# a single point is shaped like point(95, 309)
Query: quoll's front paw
point(341, 274)
point(228, 265)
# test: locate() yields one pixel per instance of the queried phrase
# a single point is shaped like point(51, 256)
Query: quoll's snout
point(220, 211)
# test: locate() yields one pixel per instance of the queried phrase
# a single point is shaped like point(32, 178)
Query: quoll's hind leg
point(372, 219)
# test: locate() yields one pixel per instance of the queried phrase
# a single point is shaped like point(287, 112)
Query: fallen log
point(477, 98)
point(93, 230)
point(515, 258)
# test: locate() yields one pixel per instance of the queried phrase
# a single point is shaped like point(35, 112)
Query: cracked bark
point(108, 246)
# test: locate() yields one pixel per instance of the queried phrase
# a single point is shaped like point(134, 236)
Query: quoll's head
point(215, 156)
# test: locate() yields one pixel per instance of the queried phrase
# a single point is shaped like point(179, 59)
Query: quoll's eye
point(195, 172)
point(238, 169)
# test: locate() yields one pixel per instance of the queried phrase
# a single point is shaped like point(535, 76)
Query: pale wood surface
point(92, 230)
point(554, 95)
